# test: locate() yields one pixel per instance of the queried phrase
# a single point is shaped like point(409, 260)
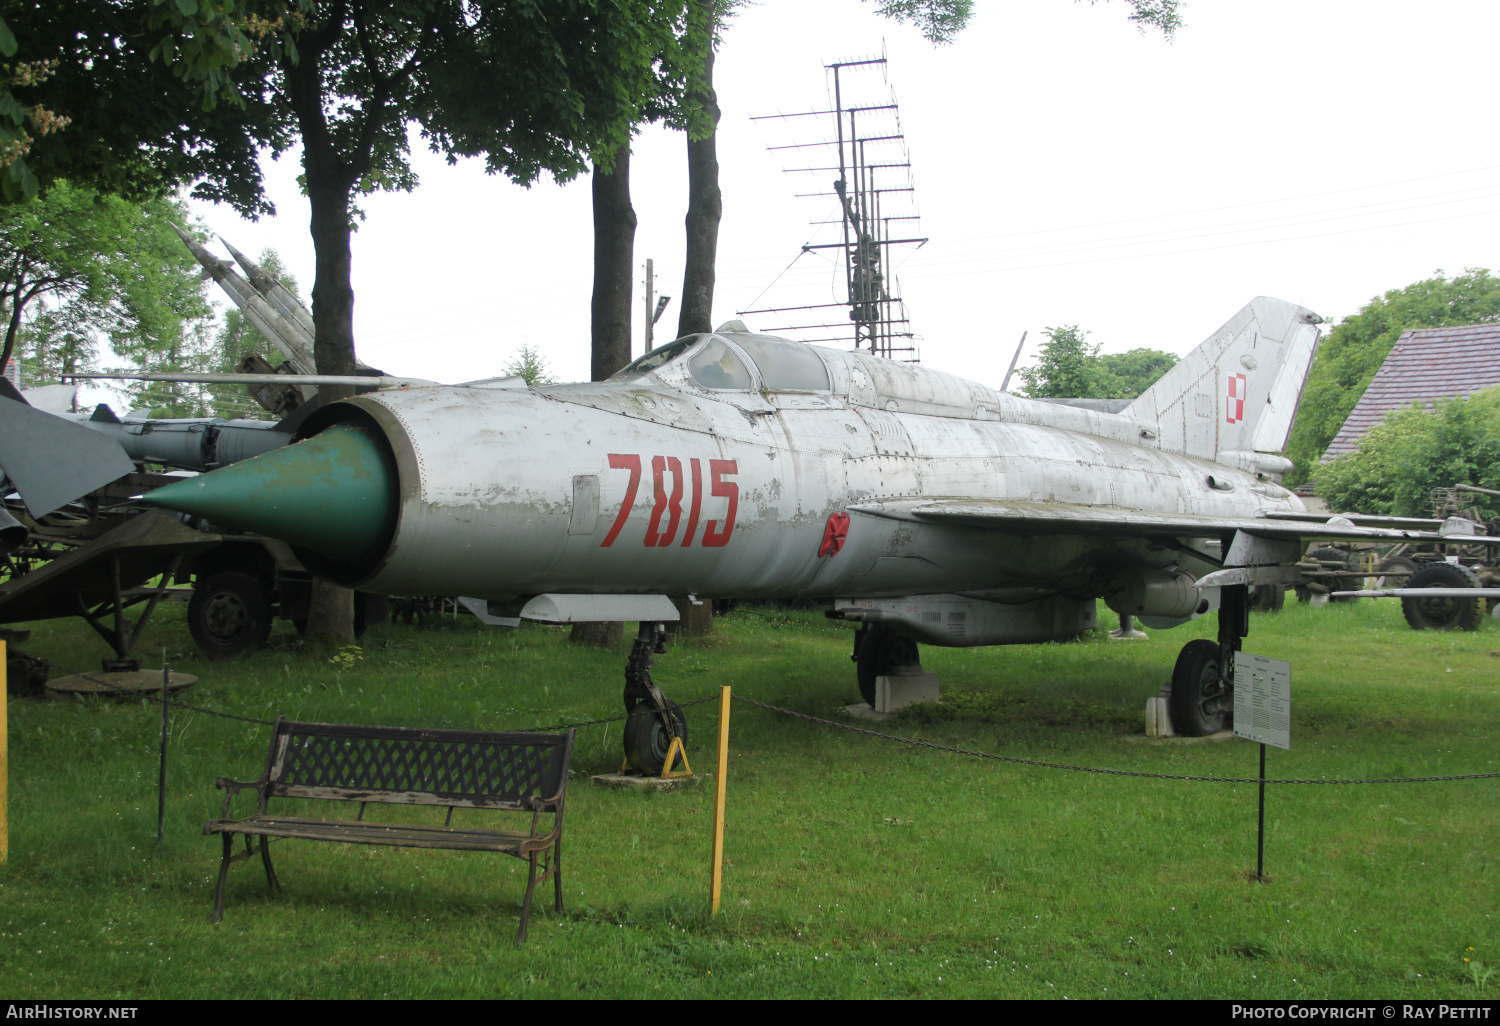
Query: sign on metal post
point(1262, 712)
point(1263, 700)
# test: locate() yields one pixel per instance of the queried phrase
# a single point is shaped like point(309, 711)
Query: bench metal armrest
point(538, 805)
point(234, 787)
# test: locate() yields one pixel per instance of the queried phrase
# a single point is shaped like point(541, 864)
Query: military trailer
point(1445, 572)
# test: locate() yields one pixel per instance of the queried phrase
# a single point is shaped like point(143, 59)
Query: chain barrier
point(211, 712)
point(113, 691)
point(918, 743)
point(1096, 769)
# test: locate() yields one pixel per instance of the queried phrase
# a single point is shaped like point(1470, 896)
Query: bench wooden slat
point(406, 835)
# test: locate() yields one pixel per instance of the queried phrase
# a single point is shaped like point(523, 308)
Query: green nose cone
point(332, 494)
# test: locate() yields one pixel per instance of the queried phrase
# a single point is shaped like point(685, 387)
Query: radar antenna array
point(872, 197)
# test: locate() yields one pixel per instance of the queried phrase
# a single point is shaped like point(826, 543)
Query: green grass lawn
point(856, 867)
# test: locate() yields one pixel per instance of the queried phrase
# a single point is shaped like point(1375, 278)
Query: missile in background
point(287, 334)
point(275, 293)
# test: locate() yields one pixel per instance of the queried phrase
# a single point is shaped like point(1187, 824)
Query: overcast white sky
point(1068, 170)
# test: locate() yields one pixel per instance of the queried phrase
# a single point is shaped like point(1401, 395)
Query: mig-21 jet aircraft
point(923, 507)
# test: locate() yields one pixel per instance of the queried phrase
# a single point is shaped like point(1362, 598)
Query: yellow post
point(4, 762)
point(717, 872)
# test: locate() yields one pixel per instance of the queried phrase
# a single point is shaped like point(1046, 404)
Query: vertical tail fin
point(1238, 391)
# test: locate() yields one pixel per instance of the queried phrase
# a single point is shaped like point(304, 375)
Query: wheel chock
point(675, 749)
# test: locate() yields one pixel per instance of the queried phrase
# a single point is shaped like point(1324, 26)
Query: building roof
point(1425, 364)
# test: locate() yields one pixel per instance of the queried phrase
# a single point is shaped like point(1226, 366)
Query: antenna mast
point(879, 322)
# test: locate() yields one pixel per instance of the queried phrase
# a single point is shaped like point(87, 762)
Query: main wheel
point(880, 651)
point(646, 740)
point(229, 614)
point(1200, 700)
point(1443, 614)
point(1395, 565)
point(1267, 598)
point(1329, 554)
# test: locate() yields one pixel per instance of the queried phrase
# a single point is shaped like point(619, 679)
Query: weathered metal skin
point(508, 492)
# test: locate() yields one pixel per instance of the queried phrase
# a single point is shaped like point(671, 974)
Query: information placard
point(1263, 699)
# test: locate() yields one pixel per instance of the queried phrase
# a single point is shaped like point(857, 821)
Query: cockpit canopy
point(734, 361)
point(719, 364)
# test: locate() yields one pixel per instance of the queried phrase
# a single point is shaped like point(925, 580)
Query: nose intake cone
point(332, 493)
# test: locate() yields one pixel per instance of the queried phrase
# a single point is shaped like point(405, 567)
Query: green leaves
point(939, 20)
point(1070, 368)
point(1400, 461)
point(97, 271)
point(8, 45)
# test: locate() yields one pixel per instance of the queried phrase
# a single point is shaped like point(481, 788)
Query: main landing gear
point(652, 723)
point(878, 651)
point(1202, 697)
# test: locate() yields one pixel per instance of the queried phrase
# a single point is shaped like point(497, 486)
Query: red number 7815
point(667, 499)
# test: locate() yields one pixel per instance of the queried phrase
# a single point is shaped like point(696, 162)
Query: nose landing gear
point(655, 728)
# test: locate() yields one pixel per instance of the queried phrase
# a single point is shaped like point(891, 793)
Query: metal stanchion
point(1260, 840)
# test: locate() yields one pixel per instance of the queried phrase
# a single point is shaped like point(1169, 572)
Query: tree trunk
point(614, 267)
point(609, 314)
point(12, 329)
point(330, 183)
point(697, 621)
point(705, 207)
point(600, 635)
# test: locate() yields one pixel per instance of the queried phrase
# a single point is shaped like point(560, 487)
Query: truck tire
point(229, 614)
point(1443, 614)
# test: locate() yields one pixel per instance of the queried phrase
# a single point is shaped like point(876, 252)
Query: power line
point(1205, 249)
point(1231, 206)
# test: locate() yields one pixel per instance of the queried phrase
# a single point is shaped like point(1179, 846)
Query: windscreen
point(656, 358)
point(716, 366)
point(786, 366)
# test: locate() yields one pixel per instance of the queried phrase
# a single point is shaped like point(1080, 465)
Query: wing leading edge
point(1075, 519)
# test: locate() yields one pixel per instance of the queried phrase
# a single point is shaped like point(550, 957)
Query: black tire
point(1397, 563)
point(880, 651)
point(646, 740)
point(1199, 702)
point(1339, 556)
point(1267, 598)
point(229, 614)
point(1443, 614)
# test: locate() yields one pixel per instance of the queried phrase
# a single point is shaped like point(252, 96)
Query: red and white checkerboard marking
point(1234, 406)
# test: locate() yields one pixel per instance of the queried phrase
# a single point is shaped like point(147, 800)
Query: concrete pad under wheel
point(633, 782)
point(1223, 735)
point(862, 711)
point(139, 682)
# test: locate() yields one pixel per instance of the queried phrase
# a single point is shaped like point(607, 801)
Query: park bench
point(456, 769)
